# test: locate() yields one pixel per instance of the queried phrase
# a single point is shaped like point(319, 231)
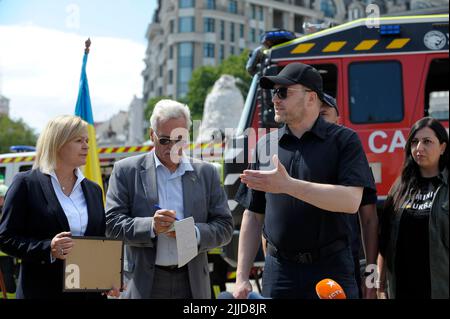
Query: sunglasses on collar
point(281, 92)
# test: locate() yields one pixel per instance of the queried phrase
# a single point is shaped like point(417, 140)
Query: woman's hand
point(61, 245)
point(114, 292)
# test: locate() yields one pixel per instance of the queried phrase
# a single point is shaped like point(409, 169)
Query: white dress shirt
point(74, 205)
point(170, 196)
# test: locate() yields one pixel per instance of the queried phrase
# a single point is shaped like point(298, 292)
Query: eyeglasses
point(281, 92)
point(167, 141)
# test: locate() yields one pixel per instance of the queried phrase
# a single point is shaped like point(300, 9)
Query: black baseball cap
point(330, 101)
point(295, 73)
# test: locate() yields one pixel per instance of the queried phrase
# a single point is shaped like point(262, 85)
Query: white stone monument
point(223, 108)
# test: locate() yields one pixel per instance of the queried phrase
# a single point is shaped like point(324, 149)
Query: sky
point(42, 47)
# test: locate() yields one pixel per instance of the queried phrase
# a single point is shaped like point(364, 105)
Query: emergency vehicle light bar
point(22, 149)
point(389, 29)
point(271, 38)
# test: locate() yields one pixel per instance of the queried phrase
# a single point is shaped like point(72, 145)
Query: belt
point(173, 268)
point(310, 256)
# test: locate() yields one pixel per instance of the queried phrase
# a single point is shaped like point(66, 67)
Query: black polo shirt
point(327, 154)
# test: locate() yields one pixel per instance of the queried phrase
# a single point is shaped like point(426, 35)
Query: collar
point(319, 129)
point(78, 174)
point(184, 166)
point(443, 176)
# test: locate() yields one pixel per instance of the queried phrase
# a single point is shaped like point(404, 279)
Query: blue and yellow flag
point(84, 110)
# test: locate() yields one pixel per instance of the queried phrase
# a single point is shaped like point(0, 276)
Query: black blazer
point(32, 216)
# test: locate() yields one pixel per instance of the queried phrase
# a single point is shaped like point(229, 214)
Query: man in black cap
point(364, 225)
point(300, 197)
point(329, 110)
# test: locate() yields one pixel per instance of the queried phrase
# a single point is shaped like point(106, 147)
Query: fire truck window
point(436, 90)
point(329, 77)
point(25, 168)
point(376, 92)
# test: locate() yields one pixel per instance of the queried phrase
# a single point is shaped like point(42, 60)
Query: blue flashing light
point(22, 148)
point(271, 38)
point(389, 29)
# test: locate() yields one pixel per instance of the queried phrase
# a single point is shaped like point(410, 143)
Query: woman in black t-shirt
point(414, 225)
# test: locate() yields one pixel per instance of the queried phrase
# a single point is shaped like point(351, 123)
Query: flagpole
point(83, 109)
point(87, 43)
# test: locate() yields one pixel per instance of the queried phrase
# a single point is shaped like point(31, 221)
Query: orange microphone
point(329, 289)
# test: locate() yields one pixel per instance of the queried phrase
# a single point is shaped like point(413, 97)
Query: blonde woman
point(49, 204)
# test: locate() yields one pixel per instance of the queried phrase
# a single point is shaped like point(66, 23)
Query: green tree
point(204, 77)
point(14, 133)
point(201, 83)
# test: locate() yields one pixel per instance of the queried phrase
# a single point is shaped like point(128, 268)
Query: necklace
point(69, 183)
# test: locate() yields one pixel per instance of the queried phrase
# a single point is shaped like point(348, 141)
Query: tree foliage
point(14, 133)
point(201, 83)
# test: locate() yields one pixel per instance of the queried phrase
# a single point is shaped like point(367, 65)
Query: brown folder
point(94, 264)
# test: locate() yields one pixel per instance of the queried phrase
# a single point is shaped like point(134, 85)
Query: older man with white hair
point(147, 193)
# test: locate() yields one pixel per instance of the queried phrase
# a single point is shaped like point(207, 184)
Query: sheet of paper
point(186, 240)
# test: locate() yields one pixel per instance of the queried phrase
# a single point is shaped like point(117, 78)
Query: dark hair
point(408, 182)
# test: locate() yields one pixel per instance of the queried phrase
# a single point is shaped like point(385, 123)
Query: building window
point(233, 6)
point(185, 67)
point(367, 105)
point(252, 35)
point(160, 91)
point(160, 71)
point(186, 24)
point(208, 50)
point(232, 50)
point(187, 4)
point(232, 32)
point(211, 4)
point(241, 31)
point(298, 23)
point(171, 52)
point(261, 14)
point(221, 52)
point(170, 76)
point(172, 26)
point(222, 30)
point(209, 25)
point(278, 22)
point(253, 15)
point(328, 8)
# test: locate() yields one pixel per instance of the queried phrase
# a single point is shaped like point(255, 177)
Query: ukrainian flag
point(84, 110)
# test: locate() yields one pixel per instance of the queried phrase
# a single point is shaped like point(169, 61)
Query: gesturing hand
point(274, 181)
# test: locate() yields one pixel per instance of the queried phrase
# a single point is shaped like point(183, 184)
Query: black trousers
point(283, 279)
point(8, 269)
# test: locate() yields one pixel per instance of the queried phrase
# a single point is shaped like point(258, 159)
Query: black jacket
point(32, 216)
point(438, 241)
